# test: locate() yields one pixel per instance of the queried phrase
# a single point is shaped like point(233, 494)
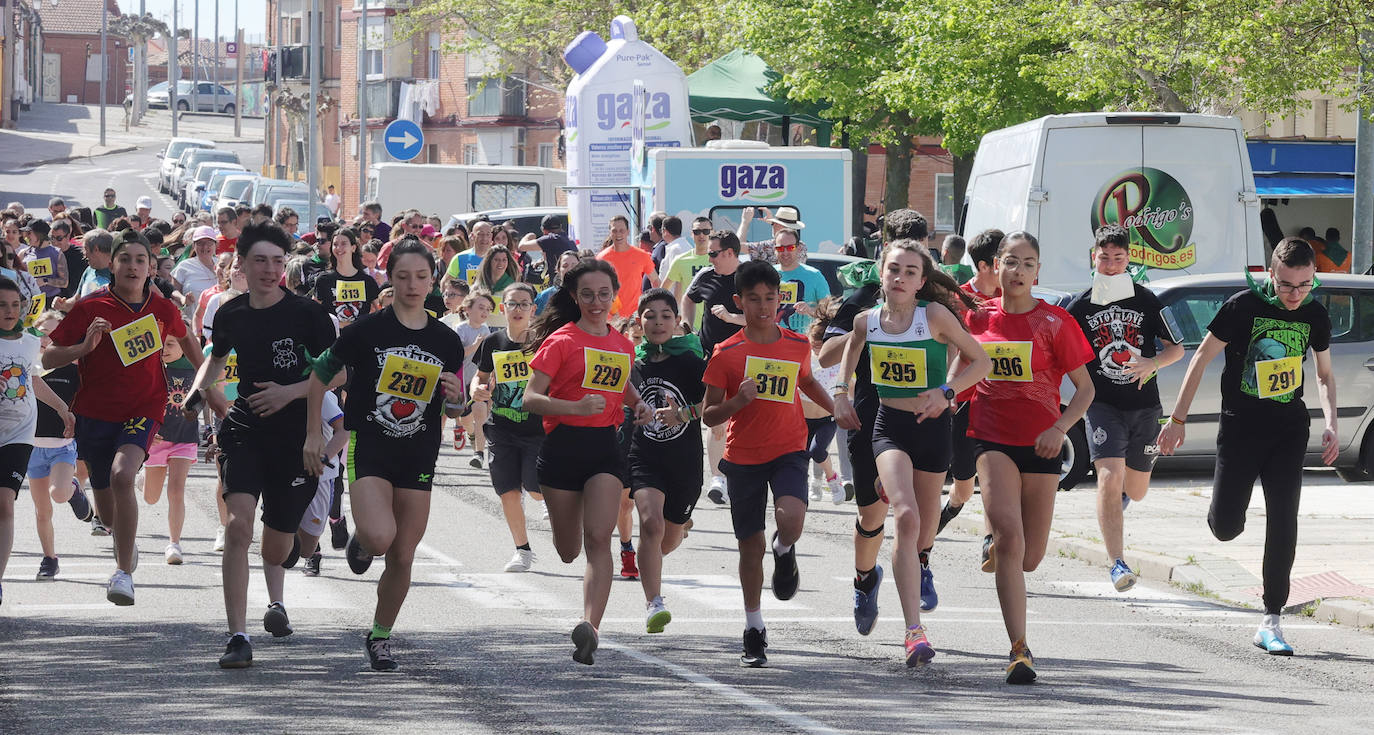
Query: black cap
point(39, 226)
point(551, 222)
point(323, 219)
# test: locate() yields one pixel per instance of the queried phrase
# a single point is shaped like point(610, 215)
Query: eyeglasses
point(110, 195)
point(1286, 287)
point(785, 248)
point(1012, 264)
point(713, 253)
point(592, 296)
point(523, 304)
point(701, 232)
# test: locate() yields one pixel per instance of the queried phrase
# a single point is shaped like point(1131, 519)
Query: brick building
point(71, 53)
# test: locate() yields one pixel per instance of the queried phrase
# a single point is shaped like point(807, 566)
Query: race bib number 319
point(1010, 361)
point(409, 379)
point(776, 379)
point(510, 366)
point(608, 371)
point(137, 340)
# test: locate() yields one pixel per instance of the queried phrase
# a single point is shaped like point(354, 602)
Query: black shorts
point(267, 466)
point(1025, 458)
point(680, 485)
point(861, 455)
point(572, 455)
point(513, 459)
point(98, 441)
point(14, 465)
point(819, 433)
point(926, 443)
point(1131, 434)
point(748, 485)
point(402, 463)
point(963, 463)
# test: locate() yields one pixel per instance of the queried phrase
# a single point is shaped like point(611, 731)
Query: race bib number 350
point(1278, 377)
point(898, 367)
point(409, 379)
point(608, 371)
point(776, 379)
point(137, 340)
point(1010, 361)
point(510, 366)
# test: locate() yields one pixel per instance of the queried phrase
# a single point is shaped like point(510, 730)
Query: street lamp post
point(173, 69)
point(312, 116)
point(195, 59)
point(363, 137)
point(104, 64)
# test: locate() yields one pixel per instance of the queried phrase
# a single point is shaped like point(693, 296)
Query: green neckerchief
point(1265, 291)
point(19, 329)
point(687, 343)
point(857, 275)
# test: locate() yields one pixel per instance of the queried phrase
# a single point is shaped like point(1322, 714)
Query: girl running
point(174, 449)
point(820, 423)
point(405, 366)
point(907, 337)
point(580, 378)
point(477, 309)
point(497, 271)
point(1017, 428)
point(346, 290)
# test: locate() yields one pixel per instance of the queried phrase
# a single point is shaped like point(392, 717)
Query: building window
point(338, 26)
point(432, 153)
point(546, 151)
point(493, 97)
point(471, 157)
point(374, 53)
point(435, 49)
point(944, 201)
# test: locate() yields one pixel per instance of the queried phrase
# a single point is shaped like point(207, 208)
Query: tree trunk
point(898, 175)
point(1168, 99)
point(963, 167)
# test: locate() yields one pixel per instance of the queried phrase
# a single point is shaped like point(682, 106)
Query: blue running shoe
point(1125, 502)
point(1122, 577)
point(928, 597)
point(1271, 640)
point(866, 604)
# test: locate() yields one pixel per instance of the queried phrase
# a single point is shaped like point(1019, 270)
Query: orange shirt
point(577, 363)
point(631, 267)
point(772, 424)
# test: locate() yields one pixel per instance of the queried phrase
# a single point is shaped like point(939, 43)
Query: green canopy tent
point(734, 87)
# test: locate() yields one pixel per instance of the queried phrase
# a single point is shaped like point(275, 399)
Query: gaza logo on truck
point(760, 182)
point(1157, 213)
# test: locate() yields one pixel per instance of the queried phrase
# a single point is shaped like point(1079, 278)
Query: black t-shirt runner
point(64, 382)
point(358, 291)
point(271, 344)
point(678, 376)
point(865, 298)
point(509, 367)
point(1265, 347)
point(395, 393)
point(709, 288)
point(1118, 332)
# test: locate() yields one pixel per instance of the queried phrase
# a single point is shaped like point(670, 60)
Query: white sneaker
point(836, 490)
point(173, 554)
point(522, 561)
point(219, 539)
point(815, 485)
point(121, 589)
point(657, 616)
point(718, 494)
point(546, 511)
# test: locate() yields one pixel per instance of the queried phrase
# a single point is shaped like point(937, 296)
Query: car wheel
point(183, 105)
point(1075, 463)
point(1364, 469)
point(229, 109)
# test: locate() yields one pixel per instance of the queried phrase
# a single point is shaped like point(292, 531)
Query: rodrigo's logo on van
point(1157, 213)
point(613, 111)
point(758, 182)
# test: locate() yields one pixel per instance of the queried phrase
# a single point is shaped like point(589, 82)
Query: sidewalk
point(56, 133)
point(1167, 539)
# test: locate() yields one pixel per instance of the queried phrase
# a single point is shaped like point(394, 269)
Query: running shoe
point(836, 490)
point(717, 493)
point(657, 616)
point(866, 604)
point(786, 575)
point(947, 514)
point(1021, 670)
point(755, 648)
point(358, 560)
point(460, 438)
point(918, 648)
point(1270, 638)
point(1125, 501)
point(295, 556)
point(584, 643)
point(928, 597)
point(989, 555)
point(476, 461)
point(848, 490)
point(98, 528)
point(2, 594)
point(338, 532)
point(815, 486)
point(1122, 576)
point(47, 569)
point(219, 540)
point(522, 561)
point(312, 565)
point(80, 504)
point(238, 653)
point(120, 590)
point(172, 554)
point(276, 622)
point(379, 654)
point(628, 569)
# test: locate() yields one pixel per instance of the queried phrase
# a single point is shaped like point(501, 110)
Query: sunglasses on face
point(713, 253)
point(785, 248)
point(701, 232)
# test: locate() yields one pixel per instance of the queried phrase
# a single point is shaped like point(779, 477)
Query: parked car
point(209, 194)
point(263, 189)
point(195, 183)
point(299, 204)
point(191, 158)
point(171, 154)
point(205, 96)
point(526, 219)
point(237, 188)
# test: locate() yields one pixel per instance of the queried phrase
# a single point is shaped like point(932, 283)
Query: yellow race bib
point(776, 379)
point(350, 291)
point(37, 304)
point(897, 367)
point(472, 276)
point(608, 371)
point(413, 380)
point(137, 340)
point(41, 268)
point(510, 366)
point(787, 293)
point(1278, 377)
point(231, 370)
point(1010, 361)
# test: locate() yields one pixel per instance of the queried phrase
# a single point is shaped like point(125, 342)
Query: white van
point(1181, 184)
point(442, 189)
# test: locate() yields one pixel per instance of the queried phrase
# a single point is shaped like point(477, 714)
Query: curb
point(68, 159)
point(1205, 575)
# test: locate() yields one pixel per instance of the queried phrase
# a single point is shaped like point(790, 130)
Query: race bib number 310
point(608, 371)
point(776, 379)
point(1278, 377)
point(1010, 361)
point(137, 340)
point(409, 379)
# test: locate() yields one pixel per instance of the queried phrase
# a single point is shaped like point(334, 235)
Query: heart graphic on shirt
point(1121, 357)
point(402, 409)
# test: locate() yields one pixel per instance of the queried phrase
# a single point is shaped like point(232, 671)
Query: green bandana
point(857, 275)
point(1268, 295)
point(19, 329)
point(688, 343)
point(325, 367)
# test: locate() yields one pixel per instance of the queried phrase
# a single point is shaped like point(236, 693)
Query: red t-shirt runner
point(122, 378)
point(772, 424)
point(1031, 353)
point(579, 363)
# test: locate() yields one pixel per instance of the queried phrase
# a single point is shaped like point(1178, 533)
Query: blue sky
point(252, 15)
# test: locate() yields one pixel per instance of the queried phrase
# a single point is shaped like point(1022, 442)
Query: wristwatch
point(948, 391)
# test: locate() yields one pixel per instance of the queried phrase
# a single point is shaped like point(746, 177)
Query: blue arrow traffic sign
point(403, 139)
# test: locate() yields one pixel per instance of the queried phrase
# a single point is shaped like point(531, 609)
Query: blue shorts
point(97, 442)
point(748, 485)
point(42, 459)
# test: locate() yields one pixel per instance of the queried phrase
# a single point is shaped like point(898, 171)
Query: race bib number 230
point(403, 377)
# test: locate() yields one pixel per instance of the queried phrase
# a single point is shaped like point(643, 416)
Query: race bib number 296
point(1011, 361)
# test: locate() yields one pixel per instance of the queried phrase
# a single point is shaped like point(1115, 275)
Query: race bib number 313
point(510, 366)
point(347, 292)
point(608, 371)
point(137, 340)
point(1010, 361)
point(412, 380)
point(1278, 377)
point(776, 379)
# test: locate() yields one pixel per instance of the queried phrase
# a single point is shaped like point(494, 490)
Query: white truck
point(443, 189)
point(1180, 184)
